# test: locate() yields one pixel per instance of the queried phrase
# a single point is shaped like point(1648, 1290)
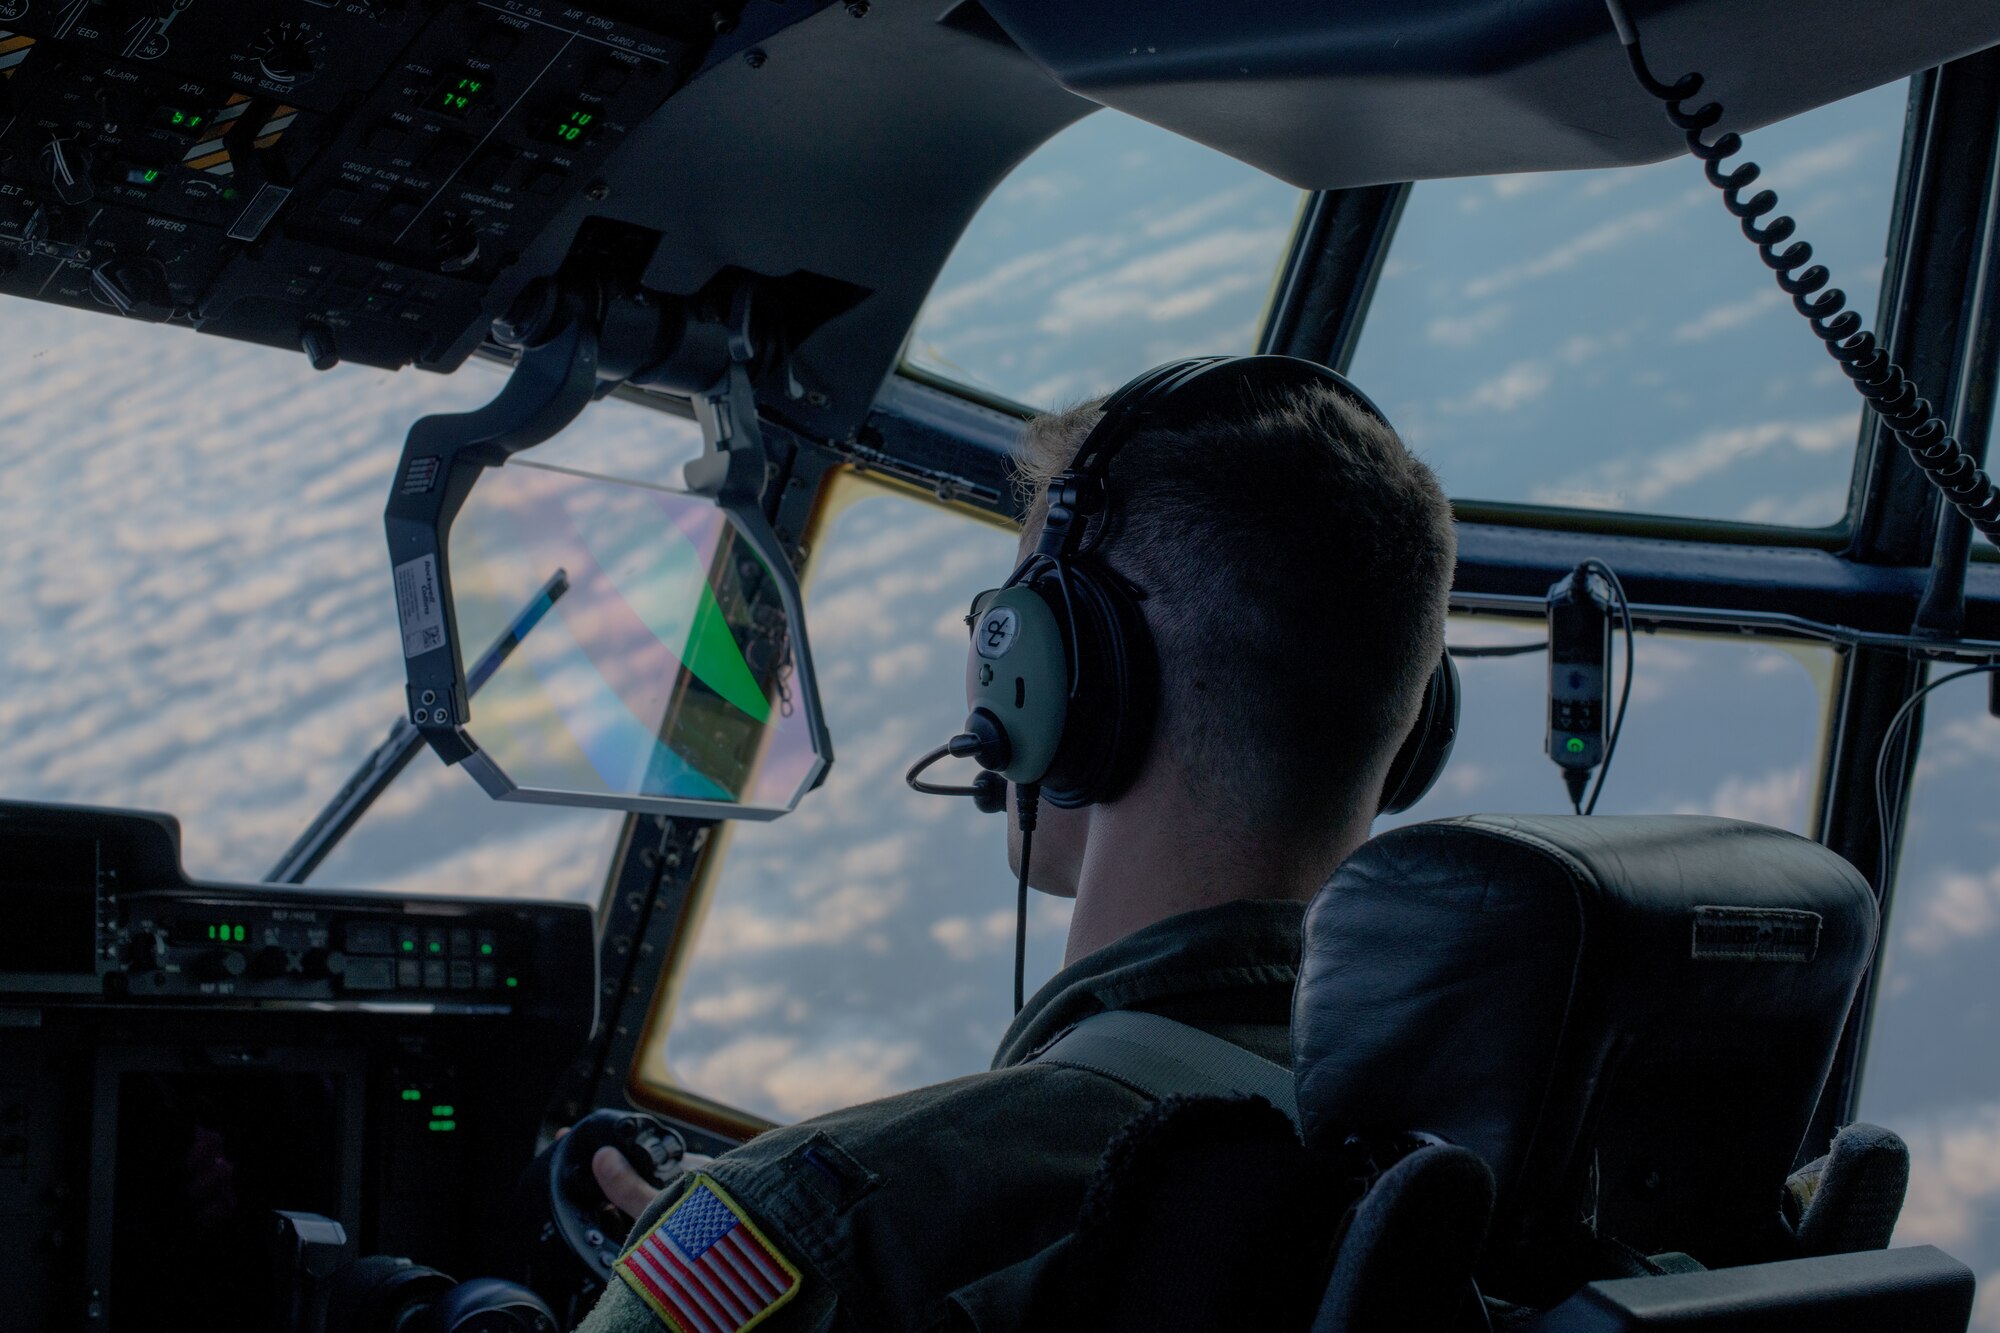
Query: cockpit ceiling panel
point(1332, 96)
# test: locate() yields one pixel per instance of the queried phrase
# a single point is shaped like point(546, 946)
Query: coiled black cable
point(1887, 820)
point(1877, 378)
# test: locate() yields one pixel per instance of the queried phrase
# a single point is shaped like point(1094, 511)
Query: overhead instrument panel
point(352, 179)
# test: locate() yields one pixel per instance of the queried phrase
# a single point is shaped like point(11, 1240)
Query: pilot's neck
point(1155, 854)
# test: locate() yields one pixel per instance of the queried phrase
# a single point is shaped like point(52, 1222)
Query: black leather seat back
point(1629, 1019)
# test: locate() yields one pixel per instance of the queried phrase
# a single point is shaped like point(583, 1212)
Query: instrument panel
point(350, 178)
point(178, 1060)
point(105, 914)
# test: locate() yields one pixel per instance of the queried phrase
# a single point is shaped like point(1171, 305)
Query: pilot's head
point(1294, 567)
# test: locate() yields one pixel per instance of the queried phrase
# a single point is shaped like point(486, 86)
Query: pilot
point(1294, 565)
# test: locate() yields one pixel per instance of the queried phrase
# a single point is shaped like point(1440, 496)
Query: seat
point(1629, 1020)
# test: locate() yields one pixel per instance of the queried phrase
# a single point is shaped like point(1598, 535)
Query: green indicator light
point(436, 947)
point(443, 1126)
point(239, 934)
point(444, 1110)
point(513, 981)
point(412, 1095)
point(211, 932)
point(1574, 745)
point(152, 174)
point(486, 948)
point(409, 946)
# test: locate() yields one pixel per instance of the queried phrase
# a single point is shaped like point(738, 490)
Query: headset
point(1064, 674)
point(1065, 677)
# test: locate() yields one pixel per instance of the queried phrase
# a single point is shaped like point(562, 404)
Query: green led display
point(444, 1109)
point(179, 118)
point(443, 1126)
point(412, 1095)
point(226, 934)
point(460, 93)
point(575, 125)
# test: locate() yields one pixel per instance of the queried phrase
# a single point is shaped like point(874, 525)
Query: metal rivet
point(430, 697)
point(754, 58)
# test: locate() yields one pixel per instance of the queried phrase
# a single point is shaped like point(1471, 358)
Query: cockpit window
point(1609, 340)
point(863, 944)
point(1115, 246)
point(1929, 1073)
point(195, 607)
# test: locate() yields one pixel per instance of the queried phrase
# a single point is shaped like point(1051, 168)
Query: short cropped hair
point(1296, 563)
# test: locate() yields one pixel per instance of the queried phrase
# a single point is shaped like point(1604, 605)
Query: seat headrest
point(1629, 1019)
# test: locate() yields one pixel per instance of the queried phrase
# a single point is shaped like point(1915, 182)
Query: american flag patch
point(705, 1268)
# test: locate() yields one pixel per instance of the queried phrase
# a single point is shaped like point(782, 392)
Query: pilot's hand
point(629, 1192)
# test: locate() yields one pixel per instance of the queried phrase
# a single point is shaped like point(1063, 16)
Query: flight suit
point(939, 1208)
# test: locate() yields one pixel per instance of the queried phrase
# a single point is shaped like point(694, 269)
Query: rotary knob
point(221, 965)
point(287, 53)
point(286, 61)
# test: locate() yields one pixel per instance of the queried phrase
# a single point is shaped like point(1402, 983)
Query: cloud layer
point(1607, 340)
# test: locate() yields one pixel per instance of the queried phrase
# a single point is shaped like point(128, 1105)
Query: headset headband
point(1198, 387)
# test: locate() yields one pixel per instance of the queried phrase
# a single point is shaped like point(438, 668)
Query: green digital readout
point(186, 932)
point(459, 93)
point(180, 118)
point(573, 126)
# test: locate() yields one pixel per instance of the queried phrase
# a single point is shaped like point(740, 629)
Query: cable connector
point(1576, 780)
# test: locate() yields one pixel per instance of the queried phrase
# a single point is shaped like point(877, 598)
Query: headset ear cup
point(1427, 748)
point(1111, 719)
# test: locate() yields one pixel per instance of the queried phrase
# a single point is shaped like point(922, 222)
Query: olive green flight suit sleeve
point(943, 1208)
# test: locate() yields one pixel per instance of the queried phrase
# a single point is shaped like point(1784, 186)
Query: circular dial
point(287, 52)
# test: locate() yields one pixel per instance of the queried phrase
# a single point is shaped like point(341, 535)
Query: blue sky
point(195, 611)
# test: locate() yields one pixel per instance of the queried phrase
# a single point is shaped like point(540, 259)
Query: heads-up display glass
point(661, 674)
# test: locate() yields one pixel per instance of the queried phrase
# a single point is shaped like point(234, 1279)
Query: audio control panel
point(353, 178)
point(256, 947)
point(102, 913)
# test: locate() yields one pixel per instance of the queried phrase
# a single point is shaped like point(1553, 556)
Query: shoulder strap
point(1159, 1057)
